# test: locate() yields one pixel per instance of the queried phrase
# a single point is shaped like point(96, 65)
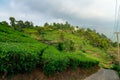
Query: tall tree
point(46, 24)
point(31, 24)
point(27, 24)
point(20, 23)
point(67, 25)
point(12, 22)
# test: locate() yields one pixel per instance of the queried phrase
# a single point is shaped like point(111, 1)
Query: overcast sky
point(95, 14)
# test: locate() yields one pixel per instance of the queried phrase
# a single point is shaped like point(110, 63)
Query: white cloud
point(98, 13)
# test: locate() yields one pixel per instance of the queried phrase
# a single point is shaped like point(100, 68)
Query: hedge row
point(24, 57)
point(19, 57)
point(54, 61)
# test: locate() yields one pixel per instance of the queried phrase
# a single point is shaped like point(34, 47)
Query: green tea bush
point(7, 34)
point(54, 61)
point(74, 61)
point(19, 57)
point(82, 61)
point(24, 57)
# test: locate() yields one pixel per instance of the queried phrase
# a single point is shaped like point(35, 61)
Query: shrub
point(116, 67)
point(82, 61)
point(19, 57)
point(54, 61)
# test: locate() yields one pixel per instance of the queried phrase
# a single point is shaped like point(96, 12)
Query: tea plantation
point(20, 53)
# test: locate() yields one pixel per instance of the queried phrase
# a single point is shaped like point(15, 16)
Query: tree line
point(18, 25)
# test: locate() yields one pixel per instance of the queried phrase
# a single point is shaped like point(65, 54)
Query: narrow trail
point(104, 74)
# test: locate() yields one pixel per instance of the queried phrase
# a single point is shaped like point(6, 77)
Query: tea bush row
point(55, 61)
point(24, 57)
point(19, 57)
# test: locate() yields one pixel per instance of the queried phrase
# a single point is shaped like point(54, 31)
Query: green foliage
point(18, 52)
point(55, 61)
point(116, 67)
point(28, 24)
point(46, 24)
point(61, 46)
point(97, 40)
point(12, 22)
point(7, 34)
point(21, 53)
point(82, 61)
point(4, 23)
point(19, 25)
point(115, 44)
point(67, 45)
point(19, 57)
point(65, 32)
point(24, 57)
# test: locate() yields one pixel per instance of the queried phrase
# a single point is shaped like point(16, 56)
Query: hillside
point(51, 48)
point(65, 38)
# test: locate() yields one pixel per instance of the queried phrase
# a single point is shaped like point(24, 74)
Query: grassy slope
point(7, 34)
point(80, 43)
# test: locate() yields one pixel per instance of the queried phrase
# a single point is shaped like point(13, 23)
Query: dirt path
point(104, 74)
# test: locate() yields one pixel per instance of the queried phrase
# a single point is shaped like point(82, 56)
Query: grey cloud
point(97, 13)
point(60, 8)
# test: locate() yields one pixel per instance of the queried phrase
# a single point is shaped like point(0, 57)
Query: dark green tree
point(12, 22)
point(20, 23)
point(46, 24)
point(67, 25)
point(4, 23)
point(27, 24)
